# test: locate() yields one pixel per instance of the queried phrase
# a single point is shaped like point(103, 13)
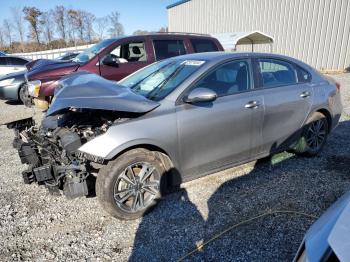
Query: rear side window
point(3, 61)
point(203, 45)
point(276, 73)
point(168, 48)
point(16, 61)
point(303, 75)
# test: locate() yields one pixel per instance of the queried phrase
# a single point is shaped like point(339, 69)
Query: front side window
point(203, 45)
point(130, 52)
point(168, 48)
point(159, 79)
point(227, 79)
point(276, 73)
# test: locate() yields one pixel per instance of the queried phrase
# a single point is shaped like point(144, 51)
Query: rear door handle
point(252, 104)
point(305, 94)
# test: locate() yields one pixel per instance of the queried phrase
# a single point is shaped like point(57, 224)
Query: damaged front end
point(82, 110)
point(51, 150)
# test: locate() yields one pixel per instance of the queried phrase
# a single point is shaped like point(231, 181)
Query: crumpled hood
point(84, 90)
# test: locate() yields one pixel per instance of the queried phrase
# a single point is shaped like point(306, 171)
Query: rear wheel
point(314, 136)
point(130, 185)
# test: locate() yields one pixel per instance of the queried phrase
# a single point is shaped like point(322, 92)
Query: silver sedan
point(177, 120)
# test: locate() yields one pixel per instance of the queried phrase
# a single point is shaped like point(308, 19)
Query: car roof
point(164, 35)
point(221, 55)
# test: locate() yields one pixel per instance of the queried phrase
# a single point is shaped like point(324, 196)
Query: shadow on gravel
point(13, 103)
point(283, 182)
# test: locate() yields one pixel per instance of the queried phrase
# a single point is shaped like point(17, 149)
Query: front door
point(216, 134)
point(129, 57)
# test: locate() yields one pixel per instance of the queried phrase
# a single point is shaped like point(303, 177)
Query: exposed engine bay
point(51, 150)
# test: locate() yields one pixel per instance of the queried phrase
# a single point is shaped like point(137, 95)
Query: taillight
point(337, 85)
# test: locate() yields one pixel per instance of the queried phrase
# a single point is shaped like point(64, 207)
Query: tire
point(21, 92)
point(124, 190)
point(23, 95)
point(314, 136)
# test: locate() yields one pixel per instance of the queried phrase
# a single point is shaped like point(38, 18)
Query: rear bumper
point(9, 92)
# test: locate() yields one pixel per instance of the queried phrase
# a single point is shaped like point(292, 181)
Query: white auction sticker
point(193, 62)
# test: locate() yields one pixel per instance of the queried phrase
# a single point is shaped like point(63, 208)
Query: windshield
point(159, 79)
point(92, 51)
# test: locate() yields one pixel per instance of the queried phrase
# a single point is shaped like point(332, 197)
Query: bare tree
point(116, 28)
point(8, 31)
point(141, 32)
point(76, 22)
point(32, 15)
point(101, 26)
point(163, 30)
point(19, 23)
point(2, 38)
point(88, 20)
point(60, 19)
point(47, 25)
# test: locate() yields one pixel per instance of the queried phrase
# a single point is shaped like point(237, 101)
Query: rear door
point(287, 101)
point(131, 55)
point(216, 134)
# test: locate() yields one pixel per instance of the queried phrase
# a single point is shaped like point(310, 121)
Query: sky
point(148, 15)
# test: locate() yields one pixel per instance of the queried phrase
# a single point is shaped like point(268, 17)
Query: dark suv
point(116, 58)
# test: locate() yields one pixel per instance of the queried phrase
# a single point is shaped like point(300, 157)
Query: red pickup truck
point(115, 58)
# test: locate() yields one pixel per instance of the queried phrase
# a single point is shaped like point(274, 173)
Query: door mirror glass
point(200, 95)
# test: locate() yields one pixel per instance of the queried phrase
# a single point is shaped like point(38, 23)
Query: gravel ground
point(37, 226)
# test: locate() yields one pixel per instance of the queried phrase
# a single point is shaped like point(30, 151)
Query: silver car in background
point(11, 64)
point(11, 85)
point(174, 121)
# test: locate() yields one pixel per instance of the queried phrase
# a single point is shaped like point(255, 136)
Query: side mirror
point(200, 95)
point(110, 60)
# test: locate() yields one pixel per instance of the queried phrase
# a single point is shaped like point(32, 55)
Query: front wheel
point(314, 136)
point(23, 95)
point(130, 185)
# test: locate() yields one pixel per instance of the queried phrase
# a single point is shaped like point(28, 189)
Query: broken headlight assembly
point(34, 88)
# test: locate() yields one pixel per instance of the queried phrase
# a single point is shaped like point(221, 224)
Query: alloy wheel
point(316, 134)
point(136, 187)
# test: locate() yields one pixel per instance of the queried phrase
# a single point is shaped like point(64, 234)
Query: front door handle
point(252, 104)
point(305, 94)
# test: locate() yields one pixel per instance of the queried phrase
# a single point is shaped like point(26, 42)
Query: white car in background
point(11, 64)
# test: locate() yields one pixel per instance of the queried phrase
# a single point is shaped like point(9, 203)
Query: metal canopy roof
point(177, 3)
point(230, 40)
